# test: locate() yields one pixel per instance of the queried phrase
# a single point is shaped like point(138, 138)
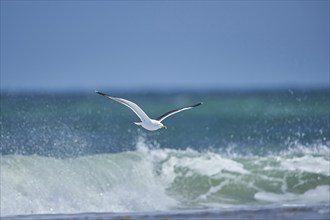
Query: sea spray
point(73, 154)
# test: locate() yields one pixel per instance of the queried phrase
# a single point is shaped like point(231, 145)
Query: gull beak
point(164, 127)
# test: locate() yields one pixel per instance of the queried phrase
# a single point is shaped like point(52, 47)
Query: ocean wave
point(151, 178)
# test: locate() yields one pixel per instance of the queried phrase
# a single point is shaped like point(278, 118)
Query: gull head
point(158, 124)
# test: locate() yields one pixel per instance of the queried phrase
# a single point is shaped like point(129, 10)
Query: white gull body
point(146, 122)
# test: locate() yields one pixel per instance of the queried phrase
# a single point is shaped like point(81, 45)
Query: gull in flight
point(146, 122)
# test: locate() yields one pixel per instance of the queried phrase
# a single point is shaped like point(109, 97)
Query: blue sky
point(83, 45)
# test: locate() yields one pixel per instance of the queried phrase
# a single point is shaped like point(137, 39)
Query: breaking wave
point(158, 179)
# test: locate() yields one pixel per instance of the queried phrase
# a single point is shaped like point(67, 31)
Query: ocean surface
point(79, 155)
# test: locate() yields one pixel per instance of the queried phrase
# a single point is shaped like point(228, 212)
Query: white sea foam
point(307, 163)
point(107, 183)
point(208, 164)
point(321, 194)
point(153, 179)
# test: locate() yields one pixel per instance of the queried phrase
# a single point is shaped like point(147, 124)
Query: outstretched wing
point(168, 114)
point(134, 107)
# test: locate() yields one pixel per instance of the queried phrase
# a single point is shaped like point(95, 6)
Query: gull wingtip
point(198, 104)
point(100, 93)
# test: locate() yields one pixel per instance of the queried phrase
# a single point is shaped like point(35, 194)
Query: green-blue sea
point(79, 152)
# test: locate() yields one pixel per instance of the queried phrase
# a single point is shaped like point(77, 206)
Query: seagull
point(146, 122)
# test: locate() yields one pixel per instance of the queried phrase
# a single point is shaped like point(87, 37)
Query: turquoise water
point(78, 153)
